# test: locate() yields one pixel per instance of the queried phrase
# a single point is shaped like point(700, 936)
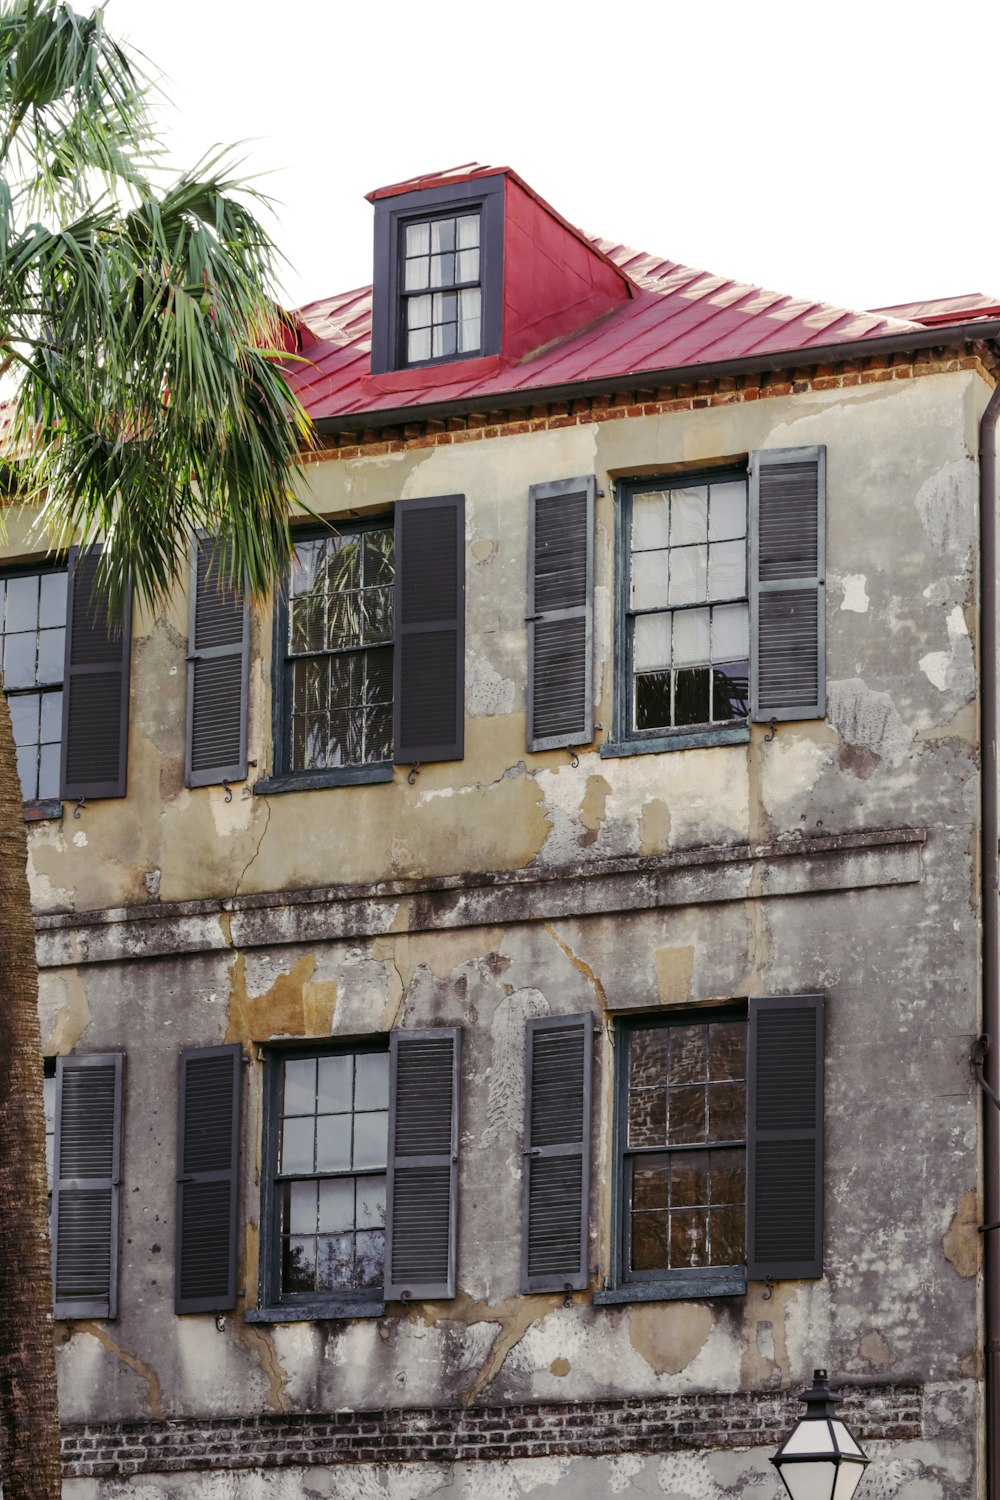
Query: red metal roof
point(678, 318)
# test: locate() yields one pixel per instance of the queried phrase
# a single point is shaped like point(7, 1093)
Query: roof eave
point(896, 343)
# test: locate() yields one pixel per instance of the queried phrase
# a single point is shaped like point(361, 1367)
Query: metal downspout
point(990, 835)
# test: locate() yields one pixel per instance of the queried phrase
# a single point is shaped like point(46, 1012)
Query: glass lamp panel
point(812, 1435)
point(727, 570)
point(690, 643)
point(650, 521)
point(843, 1439)
point(727, 511)
point(688, 579)
point(849, 1475)
point(806, 1481)
point(651, 642)
point(689, 515)
point(418, 239)
point(649, 580)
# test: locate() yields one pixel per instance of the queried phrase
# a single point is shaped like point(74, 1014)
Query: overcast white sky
point(839, 150)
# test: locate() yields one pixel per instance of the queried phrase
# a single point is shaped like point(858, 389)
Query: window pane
point(647, 1116)
point(51, 717)
point(649, 1242)
point(687, 575)
point(336, 1204)
point(335, 1076)
point(52, 602)
point(416, 274)
point(378, 677)
point(299, 1097)
point(727, 1237)
point(27, 771)
point(19, 661)
point(728, 1176)
point(418, 312)
point(371, 1080)
point(687, 1116)
point(649, 580)
point(376, 558)
point(22, 603)
point(333, 1143)
point(298, 1271)
point(652, 701)
point(442, 235)
point(371, 1202)
point(371, 1133)
point(51, 655)
point(369, 1252)
point(48, 770)
point(300, 1207)
point(730, 632)
point(308, 623)
point(731, 691)
point(690, 643)
point(691, 690)
point(445, 340)
point(651, 1182)
point(418, 239)
point(346, 680)
point(24, 717)
point(468, 231)
point(689, 1179)
point(343, 622)
point(651, 642)
point(727, 1049)
point(376, 621)
point(418, 345)
point(378, 734)
point(336, 1268)
point(687, 1053)
point(297, 1145)
point(442, 270)
point(727, 570)
point(727, 510)
point(304, 562)
point(727, 1113)
point(467, 266)
point(650, 520)
point(688, 515)
point(688, 1237)
point(648, 1057)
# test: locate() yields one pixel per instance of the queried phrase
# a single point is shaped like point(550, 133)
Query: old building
point(509, 1006)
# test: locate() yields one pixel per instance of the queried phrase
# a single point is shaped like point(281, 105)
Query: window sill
point(681, 739)
point(43, 809)
point(685, 1287)
point(373, 1307)
point(308, 781)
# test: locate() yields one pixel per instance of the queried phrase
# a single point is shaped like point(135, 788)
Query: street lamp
point(819, 1460)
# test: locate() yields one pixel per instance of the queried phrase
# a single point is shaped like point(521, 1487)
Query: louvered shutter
point(785, 1138)
point(560, 613)
point(556, 1179)
point(208, 1142)
point(85, 1185)
point(95, 689)
point(787, 583)
point(218, 671)
point(421, 1216)
point(429, 659)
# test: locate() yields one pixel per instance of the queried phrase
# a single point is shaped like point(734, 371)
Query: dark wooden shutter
point(556, 1188)
point(421, 1216)
point(208, 1144)
point(785, 1138)
point(86, 1181)
point(787, 583)
point(95, 688)
point(429, 659)
point(560, 613)
point(218, 671)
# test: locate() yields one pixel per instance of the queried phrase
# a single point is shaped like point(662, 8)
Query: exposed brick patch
point(686, 396)
point(637, 1424)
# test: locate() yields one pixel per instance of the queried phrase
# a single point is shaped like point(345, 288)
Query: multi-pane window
point(683, 1145)
point(686, 611)
point(441, 297)
point(330, 1174)
point(339, 650)
point(33, 637)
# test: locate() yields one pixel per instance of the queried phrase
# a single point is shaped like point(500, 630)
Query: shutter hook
point(567, 1295)
point(773, 731)
point(574, 759)
point(768, 1289)
point(220, 1322)
point(82, 803)
point(229, 791)
point(414, 772)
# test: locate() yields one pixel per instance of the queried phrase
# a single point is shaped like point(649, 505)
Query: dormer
point(473, 271)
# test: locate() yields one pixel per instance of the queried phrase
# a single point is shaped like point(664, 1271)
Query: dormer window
point(441, 298)
point(437, 295)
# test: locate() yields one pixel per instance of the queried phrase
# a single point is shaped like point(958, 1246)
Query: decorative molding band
point(690, 877)
point(444, 1435)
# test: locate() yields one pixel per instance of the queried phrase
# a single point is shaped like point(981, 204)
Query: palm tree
point(137, 343)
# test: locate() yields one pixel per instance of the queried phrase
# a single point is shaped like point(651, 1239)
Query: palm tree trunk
point(29, 1415)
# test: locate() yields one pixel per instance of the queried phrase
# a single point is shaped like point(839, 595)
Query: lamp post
point(819, 1460)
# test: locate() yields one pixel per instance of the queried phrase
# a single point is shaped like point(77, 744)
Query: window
point(329, 1144)
point(683, 1146)
point(441, 297)
point(33, 637)
point(437, 291)
point(686, 605)
point(339, 649)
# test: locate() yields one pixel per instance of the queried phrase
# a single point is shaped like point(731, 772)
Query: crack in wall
point(580, 964)
point(255, 854)
point(262, 1344)
point(154, 1391)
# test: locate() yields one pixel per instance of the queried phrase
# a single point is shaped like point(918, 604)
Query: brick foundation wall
point(442, 1435)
